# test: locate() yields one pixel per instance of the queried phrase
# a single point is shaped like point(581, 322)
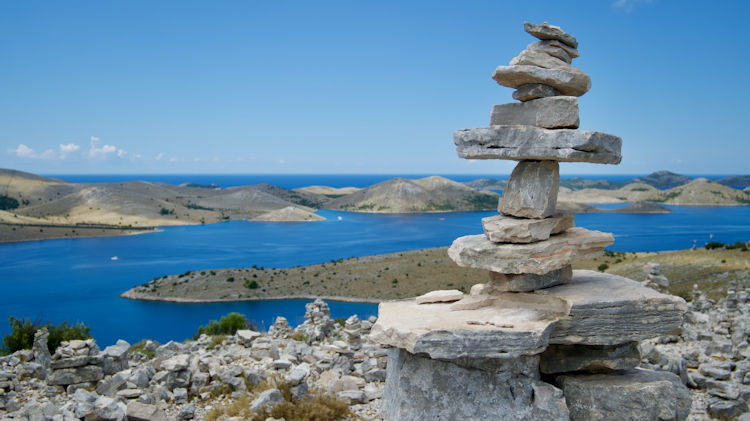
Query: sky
point(331, 87)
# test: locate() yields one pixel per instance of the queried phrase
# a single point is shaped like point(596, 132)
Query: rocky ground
point(234, 377)
point(319, 366)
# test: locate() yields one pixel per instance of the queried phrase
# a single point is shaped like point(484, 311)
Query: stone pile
point(711, 354)
point(185, 380)
point(539, 340)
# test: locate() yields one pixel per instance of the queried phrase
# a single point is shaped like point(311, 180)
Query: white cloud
point(159, 156)
point(100, 152)
point(23, 151)
point(172, 159)
point(121, 153)
point(68, 149)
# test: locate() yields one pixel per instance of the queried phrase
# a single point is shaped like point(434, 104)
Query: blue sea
point(77, 280)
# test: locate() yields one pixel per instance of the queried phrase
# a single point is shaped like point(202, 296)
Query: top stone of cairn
point(546, 31)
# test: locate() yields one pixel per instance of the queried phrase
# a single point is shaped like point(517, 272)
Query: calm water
point(76, 279)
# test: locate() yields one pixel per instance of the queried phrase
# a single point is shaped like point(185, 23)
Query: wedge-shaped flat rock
point(509, 229)
point(533, 143)
point(555, 112)
point(609, 309)
point(546, 31)
point(500, 282)
point(571, 81)
point(517, 324)
point(558, 251)
point(593, 309)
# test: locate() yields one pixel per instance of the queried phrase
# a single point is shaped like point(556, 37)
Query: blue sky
point(354, 86)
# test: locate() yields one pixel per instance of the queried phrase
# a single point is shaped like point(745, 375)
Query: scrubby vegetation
point(7, 202)
point(227, 325)
point(316, 406)
point(23, 330)
point(739, 245)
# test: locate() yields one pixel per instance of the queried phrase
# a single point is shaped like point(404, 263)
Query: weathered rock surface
point(593, 308)
point(533, 143)
point(538, 258)
point(555, 112)
point(509, 229)
point(546, 31)
point(569, 81)
point(531, 91)
point(419, 388)
point(516, 324)
point(556, 49)
point(66, 376)
point(538, 58)
point(609, 309)
point(589, 358)
point(440, 296)
point(500, 282)
point(630, 395)
point(532, 190)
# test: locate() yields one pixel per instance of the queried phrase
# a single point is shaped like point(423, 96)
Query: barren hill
point(663, 180)
point(431, 194)
point(698, 192)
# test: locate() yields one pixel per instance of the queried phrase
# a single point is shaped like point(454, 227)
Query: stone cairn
point(539, 340)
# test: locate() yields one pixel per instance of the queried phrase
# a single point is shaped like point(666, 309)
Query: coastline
point(129, 295)
point(367, 279)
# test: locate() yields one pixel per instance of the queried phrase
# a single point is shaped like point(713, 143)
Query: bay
point(77, 280)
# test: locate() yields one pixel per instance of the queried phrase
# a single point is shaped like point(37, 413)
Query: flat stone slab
point(532, 91)
point(537, 57)
point(554, 112)
point(589, 358)
point(556, 49)
point(501, 282)
point(630, 395)
point(556, 252)
point(571, 81)
point(533, 143)
point(509, 229)
point(593, 308)
point(546, 31)
point(608, 309)
point(440, 296)
point(518, 324)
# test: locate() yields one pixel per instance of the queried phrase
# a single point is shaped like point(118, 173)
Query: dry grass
point(711, 270)
point(388, 276)
point(316, 406)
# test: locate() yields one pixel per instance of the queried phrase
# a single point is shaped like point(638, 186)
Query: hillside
point(400, 195)
point(411, 273)
point(736, 181)
point(698, 192)
point(61, 207)
point(663, 180)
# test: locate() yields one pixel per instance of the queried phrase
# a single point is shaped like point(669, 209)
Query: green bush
point(740, 245)
point(714, 245)
point(7, 202)
point(251, 284)
point(22, 334)
point(602, 267)
point(227, 325)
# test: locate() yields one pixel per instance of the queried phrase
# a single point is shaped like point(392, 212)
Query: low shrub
point(227, 325)
point(23, 330)
point(602, 267)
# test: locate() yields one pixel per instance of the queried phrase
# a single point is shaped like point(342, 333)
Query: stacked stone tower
point(539, 340)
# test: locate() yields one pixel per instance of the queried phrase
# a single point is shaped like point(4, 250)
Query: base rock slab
point(629, 395)
point(419, 388)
